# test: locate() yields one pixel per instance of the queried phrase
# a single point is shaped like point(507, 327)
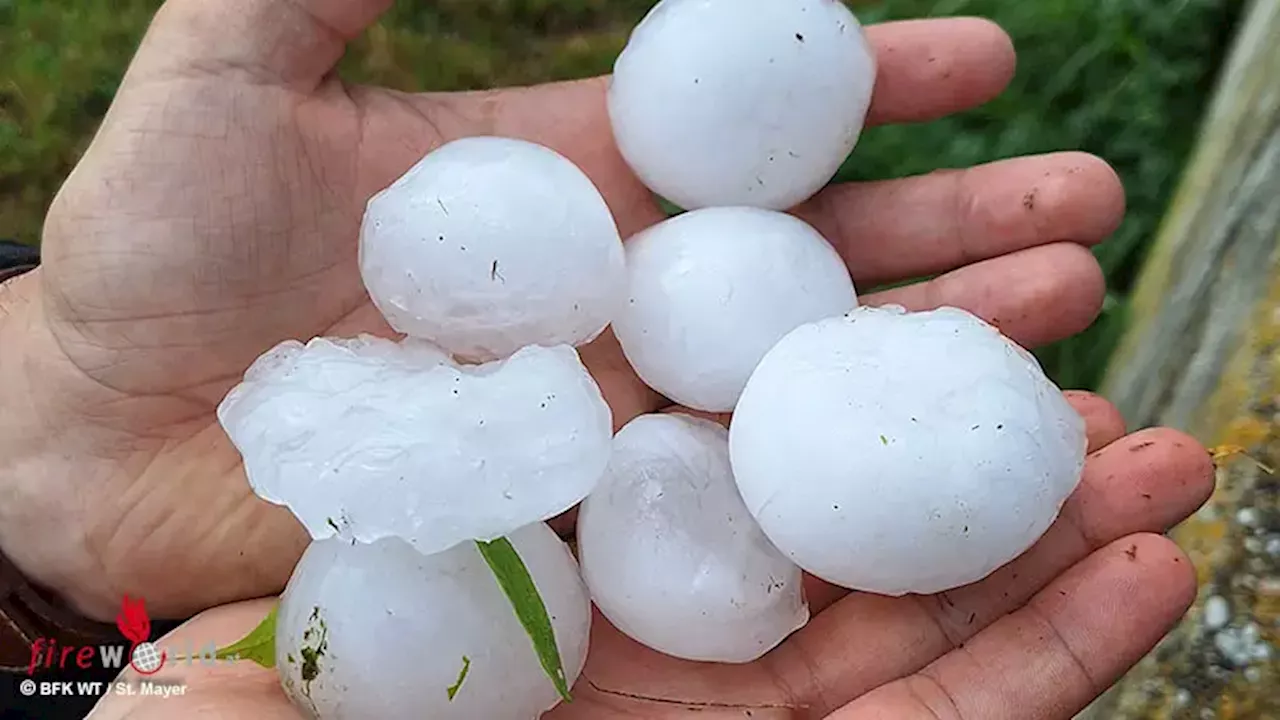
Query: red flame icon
point(133, 621)
point(135, 624)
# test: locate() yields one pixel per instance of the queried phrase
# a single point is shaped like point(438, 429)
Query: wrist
point(30, 615)
point(31, 619)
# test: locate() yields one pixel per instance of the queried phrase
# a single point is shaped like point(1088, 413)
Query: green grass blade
point(259, 645)
point(514, 579)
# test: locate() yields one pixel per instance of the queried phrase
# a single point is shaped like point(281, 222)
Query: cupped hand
point(216, 213)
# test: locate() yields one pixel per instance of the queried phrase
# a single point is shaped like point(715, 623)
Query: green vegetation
point(1124, 79)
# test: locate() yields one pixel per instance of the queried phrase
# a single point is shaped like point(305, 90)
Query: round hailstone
point(894, 453)
point(370, 438)
point(488, 245)
point(671, 555)
point(382, 631)
point(724, 102)
point(712, 290)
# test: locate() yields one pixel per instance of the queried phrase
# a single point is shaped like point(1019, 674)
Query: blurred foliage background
point(1124, 79)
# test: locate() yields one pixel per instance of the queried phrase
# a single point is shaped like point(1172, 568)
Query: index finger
point(927, 69)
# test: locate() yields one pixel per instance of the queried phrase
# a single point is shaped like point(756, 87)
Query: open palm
point(216, 214)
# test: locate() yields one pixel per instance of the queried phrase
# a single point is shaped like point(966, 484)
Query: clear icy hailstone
point(898, 452)
point(490, 244)
point(671, 555)
point(371, 438)
point(712, 290)
point(733, 102)
point(381, 631)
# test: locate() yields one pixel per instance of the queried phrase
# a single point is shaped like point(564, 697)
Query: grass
point(1124, 79)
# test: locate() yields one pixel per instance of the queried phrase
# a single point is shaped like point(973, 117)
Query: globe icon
point(146, 658)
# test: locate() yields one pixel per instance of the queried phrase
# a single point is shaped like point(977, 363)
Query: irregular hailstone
point(671, 555)
point(370, 438)
point(490, 244)
point(725, 102)
point(381, 631)
point(895, 453)
point(712, 290)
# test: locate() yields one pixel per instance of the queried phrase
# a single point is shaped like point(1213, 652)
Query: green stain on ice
point(462, 676)
point(318, 634)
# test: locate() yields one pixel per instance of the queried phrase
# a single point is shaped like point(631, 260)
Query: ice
point(671, 555)
point(899, 452)
point(712, 290)
point(381, 631)
point(488, 245)
point(726, 102)
point(370, 438)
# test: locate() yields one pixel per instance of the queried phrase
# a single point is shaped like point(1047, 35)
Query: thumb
point(292, 43)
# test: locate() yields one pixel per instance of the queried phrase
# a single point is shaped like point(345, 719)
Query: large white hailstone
point(382, 631)
point(726, 102)
point(372, 438)
point(898, 452)
point(671, 555)
point(490, 244)
point(712, 290)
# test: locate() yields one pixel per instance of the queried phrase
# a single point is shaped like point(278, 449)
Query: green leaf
point(462, 675)
point(259, 645)
point(514, 579)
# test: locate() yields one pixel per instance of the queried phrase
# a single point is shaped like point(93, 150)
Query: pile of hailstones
point(881, 450)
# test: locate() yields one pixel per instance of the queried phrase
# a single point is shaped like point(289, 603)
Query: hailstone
point(490, 244)
point(672, 557)
point(897, 452)
point(371, 438)
point(712, 290)
point(726, 102)
point(382, 631)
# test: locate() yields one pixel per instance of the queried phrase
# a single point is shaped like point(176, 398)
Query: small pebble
point(1248, 517)
point(1217, 613)
point(1273, 546)
point(1182, 698)
point(1242, 646)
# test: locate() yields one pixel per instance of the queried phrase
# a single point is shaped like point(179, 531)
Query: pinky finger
point(1048, 660)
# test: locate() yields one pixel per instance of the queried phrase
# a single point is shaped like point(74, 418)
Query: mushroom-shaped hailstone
point(710, 291)
point(741, 102)
point(490, 244)
point(898, 452)
point(671, 555)
point(373, 438)
point(382, 631)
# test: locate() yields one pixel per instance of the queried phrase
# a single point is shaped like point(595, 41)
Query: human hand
point(1038, 639)
point(216, 214)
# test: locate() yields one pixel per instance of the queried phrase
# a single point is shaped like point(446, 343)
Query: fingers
point(1050, 659)
point(926, 69)
point(931, 68)
point(293, 43)
point(924, 225)
point(230, 689)
point(1146, 482)
point(1035, 296)
point(1103, 423)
